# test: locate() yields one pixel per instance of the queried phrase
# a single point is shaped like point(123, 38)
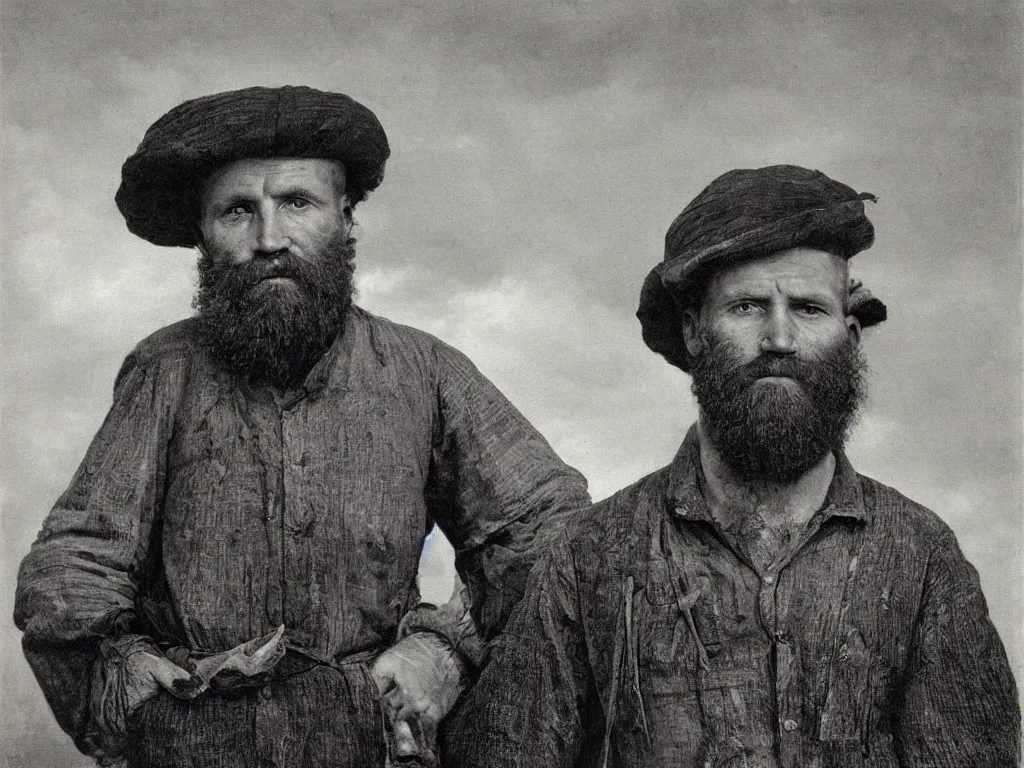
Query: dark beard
point(768, 432)
point(275, 334)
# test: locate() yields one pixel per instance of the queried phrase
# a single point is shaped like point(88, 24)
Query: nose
point(780, 334)
point(270, 237)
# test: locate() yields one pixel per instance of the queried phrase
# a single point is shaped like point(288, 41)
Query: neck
point(790, 503)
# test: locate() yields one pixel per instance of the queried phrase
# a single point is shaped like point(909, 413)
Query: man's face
point(790, 304)
point(259, 207)
point(777, 367)
point(275, 275)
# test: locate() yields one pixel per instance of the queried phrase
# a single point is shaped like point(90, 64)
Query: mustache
point(792, 367)
point(279, 264)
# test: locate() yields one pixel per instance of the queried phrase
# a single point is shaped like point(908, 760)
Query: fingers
point(404, 744)
point(419, 715)
point(167, 675)
point(413, 740)
point(383, 673)
point(165, 671)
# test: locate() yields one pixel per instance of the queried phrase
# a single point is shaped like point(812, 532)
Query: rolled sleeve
point(77, 586)
point(497, 489)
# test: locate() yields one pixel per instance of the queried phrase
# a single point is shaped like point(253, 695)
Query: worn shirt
point(646, 640)
point(209, 511)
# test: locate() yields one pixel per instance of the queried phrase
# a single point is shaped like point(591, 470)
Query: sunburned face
point(275, 274)
point(259, 207)
point(790, 304)
point(777, 368)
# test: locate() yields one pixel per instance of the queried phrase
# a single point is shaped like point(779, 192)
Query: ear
point(346, 211)
point(691, 332)
point(853, 328)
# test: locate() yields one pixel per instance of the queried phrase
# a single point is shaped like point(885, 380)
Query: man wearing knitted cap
point(230, 579)
point(757, 602)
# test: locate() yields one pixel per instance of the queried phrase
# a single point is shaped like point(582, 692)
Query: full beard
point(768, 431)
point(270, 333)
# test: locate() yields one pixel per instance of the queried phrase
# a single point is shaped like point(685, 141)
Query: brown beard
point(768, 432)
point(275, 334)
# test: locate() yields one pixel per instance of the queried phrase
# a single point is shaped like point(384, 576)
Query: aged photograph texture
point(562, 383)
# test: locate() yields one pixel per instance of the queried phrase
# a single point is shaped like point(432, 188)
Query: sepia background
point(540, 150)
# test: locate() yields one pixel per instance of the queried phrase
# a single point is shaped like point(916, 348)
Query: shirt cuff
point(452, 622)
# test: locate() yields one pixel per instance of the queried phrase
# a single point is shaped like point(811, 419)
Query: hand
point(419, 679)
point(146, 674)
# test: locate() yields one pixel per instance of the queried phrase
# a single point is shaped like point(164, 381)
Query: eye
point(744, 307)
point(809, 309)
point(297, 203)
point(236, 210)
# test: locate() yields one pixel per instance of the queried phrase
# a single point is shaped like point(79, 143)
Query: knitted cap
point(161, 181)
point(744, 214)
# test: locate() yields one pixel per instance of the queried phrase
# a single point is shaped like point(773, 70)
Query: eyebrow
point(763, 294)
point(295, 190)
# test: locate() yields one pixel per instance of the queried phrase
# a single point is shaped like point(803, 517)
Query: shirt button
point(265, 692)
point(789, 725)
point(769, 579)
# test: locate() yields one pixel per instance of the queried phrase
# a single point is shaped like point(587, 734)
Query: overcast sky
point(539, 152)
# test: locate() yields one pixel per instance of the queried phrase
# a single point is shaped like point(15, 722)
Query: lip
point(788, 381)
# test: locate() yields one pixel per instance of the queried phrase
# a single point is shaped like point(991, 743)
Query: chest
point(779, 663)
point(342, 443)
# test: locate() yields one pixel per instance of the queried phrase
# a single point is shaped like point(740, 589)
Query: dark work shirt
point(645, 640)
point(209, 511)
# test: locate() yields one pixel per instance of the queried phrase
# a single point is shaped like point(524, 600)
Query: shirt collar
point(684, 497)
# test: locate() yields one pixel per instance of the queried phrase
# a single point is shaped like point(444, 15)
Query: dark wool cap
point(159, 183)
point(744, 214)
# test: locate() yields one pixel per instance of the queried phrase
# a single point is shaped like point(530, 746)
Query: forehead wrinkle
point(779, 275)
point(274, 176)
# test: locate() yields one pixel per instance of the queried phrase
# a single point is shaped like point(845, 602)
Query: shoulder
point(452, 371)
point(389, 332)
point(399, 340)
point(611, 529)
point(172, 345)
point(173, 341)
point(907, 522)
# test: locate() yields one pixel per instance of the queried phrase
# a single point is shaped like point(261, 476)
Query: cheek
point(319, 230)
point(227, 247)
point(827, 334)
point(742, 334)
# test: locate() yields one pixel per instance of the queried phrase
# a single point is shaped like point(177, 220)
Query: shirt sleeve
point(496, 488)
point(75, 598)
point(959, 703)
point(535, 704)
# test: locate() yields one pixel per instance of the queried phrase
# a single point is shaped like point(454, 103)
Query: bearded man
point(230, 579)
point(756, 603)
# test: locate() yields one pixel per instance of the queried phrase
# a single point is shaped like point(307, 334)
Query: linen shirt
point(646, 640)
point(209, 511)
